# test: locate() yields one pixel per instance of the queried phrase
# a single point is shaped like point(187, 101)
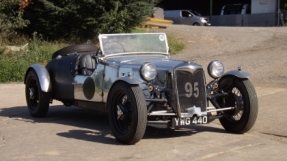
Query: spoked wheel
point(241, 96)
point(37, 100)
point(127, 113)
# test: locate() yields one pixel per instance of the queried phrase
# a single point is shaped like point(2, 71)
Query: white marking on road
point(263, 91)
point(53, 153)
point(227, 151)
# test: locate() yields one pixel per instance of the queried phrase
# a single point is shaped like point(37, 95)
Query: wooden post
point(210, 11)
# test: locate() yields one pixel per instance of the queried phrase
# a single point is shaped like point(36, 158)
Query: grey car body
point(133, 78)
point(186, 17)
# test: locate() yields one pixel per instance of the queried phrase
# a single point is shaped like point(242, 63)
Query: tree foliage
point(84, 19)
point(11, 17)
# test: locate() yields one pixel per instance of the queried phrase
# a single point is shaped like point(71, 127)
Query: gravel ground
point(261, 51)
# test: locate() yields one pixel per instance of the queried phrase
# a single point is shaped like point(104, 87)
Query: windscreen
point(134, 43)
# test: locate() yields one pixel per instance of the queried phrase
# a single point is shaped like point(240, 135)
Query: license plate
point(190, 120)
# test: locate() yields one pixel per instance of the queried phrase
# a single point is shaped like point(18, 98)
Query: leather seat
point(87, 64)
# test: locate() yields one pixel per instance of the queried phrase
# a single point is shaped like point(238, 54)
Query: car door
point(187, 18)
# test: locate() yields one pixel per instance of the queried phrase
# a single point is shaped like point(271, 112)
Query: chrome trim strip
point(101, 35)
point(222, 109)
point(161, 113)
point(210, 108)
point(158, 122)
point(134, 53)
point(191, 111)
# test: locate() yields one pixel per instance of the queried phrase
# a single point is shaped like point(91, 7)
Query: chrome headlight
point(148, 71)
point(215, 69)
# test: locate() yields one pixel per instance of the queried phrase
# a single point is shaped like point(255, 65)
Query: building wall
point(201, 6)
point(263, 6)
point(261, 19)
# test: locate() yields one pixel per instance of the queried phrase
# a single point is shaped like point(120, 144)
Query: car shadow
point(94, 126)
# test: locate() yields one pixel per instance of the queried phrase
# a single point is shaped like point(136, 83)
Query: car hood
point(160, 61)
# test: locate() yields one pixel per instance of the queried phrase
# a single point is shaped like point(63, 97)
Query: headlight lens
point(148, 71)
point(215, 69)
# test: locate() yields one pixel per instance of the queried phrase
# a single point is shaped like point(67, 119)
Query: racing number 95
point(191, 89)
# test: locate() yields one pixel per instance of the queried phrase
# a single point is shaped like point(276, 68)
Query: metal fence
point(264, 19)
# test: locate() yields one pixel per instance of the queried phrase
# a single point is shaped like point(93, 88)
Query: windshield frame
point(100, 37)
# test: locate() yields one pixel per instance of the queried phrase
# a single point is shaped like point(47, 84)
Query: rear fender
point(43, 76)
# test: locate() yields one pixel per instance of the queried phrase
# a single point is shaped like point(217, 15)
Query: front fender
point(43, 76)
point(237, 73)
point(130, 80)
point(227, 79)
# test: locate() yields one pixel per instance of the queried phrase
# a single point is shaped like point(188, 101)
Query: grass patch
point(13, 65)
point(175, 45)
point(139, 30)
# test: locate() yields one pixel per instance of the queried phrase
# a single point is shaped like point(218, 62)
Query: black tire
point(79, 48)
point(128, 128)
point(196, 24)
point(37, 101)
point(241, 94)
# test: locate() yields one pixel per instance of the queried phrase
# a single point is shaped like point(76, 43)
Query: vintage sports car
point(132, 78)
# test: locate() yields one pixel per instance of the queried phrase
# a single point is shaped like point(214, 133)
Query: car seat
point(87, 64)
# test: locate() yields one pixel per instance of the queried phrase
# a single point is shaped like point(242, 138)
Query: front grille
point(191, 89)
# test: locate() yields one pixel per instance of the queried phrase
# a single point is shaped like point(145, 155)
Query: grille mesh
point(191, 89)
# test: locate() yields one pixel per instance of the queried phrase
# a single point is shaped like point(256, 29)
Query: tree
point(10, 16)
point(85, 19)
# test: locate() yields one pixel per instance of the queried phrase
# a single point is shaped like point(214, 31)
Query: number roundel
point(191, 90)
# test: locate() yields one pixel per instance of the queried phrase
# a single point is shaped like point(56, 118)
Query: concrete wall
point(264, 19)
point(226, 20)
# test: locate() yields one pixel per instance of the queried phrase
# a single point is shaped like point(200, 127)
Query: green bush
point(13, 65)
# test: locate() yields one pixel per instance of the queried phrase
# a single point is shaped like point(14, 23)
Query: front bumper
point(207, 24)
point(192, 112)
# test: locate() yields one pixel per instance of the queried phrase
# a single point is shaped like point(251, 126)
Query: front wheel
point(241, 96)
point(37, 100)
point(127, 113)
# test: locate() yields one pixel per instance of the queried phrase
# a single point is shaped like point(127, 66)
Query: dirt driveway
point(71, 133)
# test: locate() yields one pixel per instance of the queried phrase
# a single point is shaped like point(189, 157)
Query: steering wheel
point(112, 47)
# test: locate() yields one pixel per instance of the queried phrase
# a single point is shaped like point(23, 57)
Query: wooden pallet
point(156, 23)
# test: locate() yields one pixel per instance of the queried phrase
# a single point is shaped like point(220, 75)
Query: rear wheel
point(127, 113)
point(242, 96)
point(37, 100)
point(79, 48)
